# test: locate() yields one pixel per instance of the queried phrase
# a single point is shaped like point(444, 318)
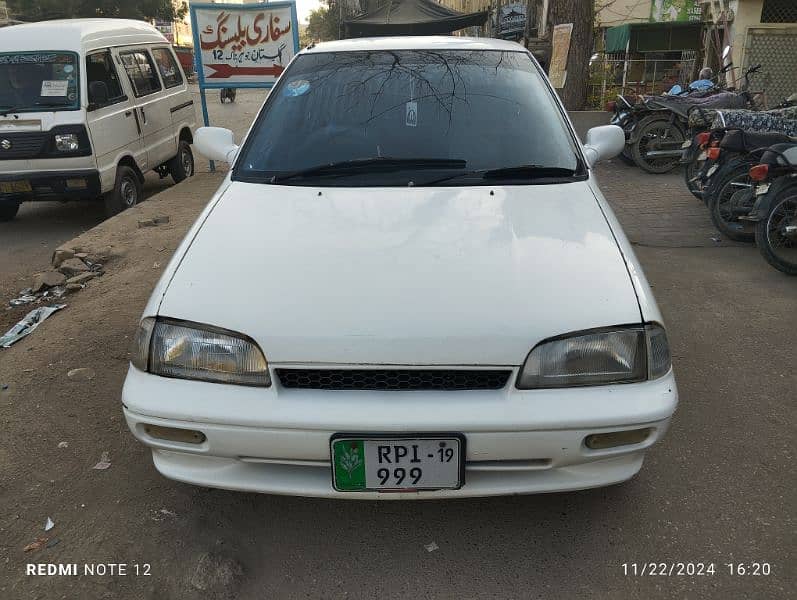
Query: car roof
point(78, 34)
point(421, 42)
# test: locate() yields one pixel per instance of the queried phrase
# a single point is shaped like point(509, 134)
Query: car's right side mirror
point(603, 142)
point(216, 143)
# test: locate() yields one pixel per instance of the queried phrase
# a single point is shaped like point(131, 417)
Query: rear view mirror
point(98, 93)
point(603, 142)
point(216, 143)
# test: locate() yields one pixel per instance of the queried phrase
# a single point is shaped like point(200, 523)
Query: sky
point(303, 8)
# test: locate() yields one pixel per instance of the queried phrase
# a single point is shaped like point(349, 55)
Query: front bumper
point(50, 185)
point(277, 441)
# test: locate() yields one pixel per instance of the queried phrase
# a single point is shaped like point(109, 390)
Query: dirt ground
point(719, 489)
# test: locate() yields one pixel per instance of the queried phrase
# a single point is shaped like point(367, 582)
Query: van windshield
point(410, 117)
point(38, 81)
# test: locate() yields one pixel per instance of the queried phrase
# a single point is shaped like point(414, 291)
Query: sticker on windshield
point(297, 88)
point(411, 119)
point(68, 68)
point(52, 87)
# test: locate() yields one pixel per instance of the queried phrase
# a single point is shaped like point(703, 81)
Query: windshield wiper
point(7, 108)
point(518, 172)
point(371, 165)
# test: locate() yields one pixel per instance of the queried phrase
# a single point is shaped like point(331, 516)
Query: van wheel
point(126, 192)
point(8, 209)
point(182, 165)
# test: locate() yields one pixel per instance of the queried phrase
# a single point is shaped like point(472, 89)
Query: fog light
point(601, 441)
point(172, 434)
point(76, 183)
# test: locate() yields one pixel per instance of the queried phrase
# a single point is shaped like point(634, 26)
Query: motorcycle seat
point(738, 140)
point(781, 155)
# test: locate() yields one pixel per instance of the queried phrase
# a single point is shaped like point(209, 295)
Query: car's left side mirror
point(216, 143)
point(603, 142)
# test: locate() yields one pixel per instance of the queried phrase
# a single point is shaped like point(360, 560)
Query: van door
point(178, 99)
point(111, 119)
point(159, 142)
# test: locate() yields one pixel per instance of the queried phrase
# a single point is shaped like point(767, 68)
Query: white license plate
point(364, 463)
point(712, 170)
point(762, 189)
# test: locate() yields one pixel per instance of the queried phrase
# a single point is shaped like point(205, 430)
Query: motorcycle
point(227, 94)
point(774, 213)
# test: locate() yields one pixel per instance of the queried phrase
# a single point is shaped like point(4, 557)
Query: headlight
point(614, 355)
point(67, 142)
point(192, 351)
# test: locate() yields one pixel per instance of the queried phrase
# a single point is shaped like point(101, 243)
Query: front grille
point(393, 379)
point(22, 145)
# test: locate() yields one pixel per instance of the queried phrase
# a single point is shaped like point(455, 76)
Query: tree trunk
point(581, 13)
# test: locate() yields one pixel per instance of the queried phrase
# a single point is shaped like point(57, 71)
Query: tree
point(42, 10)
point(323, 24)
point(581, 13)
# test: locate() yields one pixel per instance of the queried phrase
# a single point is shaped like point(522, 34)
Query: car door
point(158, 140)
point(112, 123)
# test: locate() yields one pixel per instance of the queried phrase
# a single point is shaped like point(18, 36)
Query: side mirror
point(216, 143)
point(603, 142)
point(98, 93)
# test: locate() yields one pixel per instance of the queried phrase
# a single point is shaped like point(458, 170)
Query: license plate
point(15, 187)
point(687, 144)
point(762, 189)
point(390, 464)
point(702, 156)
point(712, 170)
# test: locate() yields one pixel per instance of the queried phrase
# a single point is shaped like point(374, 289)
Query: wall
point(620, 12)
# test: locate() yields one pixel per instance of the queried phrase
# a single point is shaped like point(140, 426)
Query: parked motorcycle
point(227, 94)
point(775, 210)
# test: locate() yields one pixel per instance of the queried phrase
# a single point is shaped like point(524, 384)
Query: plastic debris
point(23, 298)
point(63, 444)
point(37, 544)
point(105, 462)
point(82, 374)
point(55, 292)
point(431, 547)
point(53, 542)
point(49, 524)
point(28, 324)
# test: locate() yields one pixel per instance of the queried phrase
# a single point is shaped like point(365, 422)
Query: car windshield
point(399, 117)
point(38, 81)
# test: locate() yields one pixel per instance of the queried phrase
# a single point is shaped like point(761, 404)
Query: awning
point(654, 37)
point(412, 17)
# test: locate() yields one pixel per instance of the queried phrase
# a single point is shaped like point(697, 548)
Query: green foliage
point(323, 24)
point(42, 10)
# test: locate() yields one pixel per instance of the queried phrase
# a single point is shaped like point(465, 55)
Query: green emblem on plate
point(349, 458)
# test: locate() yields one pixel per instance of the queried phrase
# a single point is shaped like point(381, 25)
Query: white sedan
point(408, 286)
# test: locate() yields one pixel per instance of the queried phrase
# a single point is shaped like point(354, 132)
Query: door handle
point(143, 115)
point(128, 113)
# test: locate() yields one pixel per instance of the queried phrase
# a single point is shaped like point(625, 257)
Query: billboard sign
point(663, 11)
point(512, 20)
point(245, 45)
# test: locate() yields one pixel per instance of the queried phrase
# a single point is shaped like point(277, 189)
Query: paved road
point(27, 242)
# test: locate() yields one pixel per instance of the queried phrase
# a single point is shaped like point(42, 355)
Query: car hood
point(439, 276)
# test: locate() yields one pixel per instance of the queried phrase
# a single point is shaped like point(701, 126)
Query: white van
point(87, 106)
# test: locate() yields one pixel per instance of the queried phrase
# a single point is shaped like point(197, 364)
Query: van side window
point(100, 69)
point(167, 65)
point(141, 72)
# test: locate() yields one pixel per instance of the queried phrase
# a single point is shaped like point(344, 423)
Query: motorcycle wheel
point(656, 128)
point(776, 235)
point(727, 208)
point(691, 171)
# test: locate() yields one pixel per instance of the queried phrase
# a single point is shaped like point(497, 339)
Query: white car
point(408, 286)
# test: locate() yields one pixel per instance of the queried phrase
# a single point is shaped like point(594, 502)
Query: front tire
point(650, 132)
point(691, 173)
point(127, 192)
point(732, 198)
point(182, 166)
point(8, 209)
point(775, 243)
